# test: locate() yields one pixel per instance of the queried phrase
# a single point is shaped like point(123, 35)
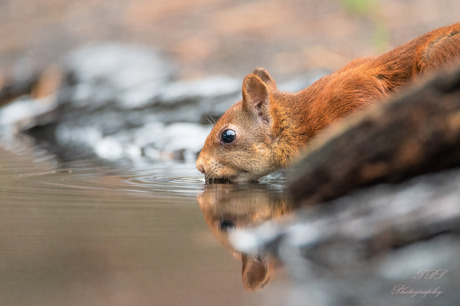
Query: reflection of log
point(359, 247)
point(417, 132)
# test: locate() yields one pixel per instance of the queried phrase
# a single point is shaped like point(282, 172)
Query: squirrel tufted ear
point(256, 97)
point(255, 91)
point(265, 77)
point(256, 272)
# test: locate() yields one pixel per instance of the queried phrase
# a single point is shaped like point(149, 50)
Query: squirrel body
point(266, 129)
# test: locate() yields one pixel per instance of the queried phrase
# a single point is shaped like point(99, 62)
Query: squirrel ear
point(256, 272)
point(256, 97)
point(265, 77)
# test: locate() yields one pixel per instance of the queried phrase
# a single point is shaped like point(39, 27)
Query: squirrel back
point(267, 128)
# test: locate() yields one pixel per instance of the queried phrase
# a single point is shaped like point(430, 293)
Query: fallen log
point(417, 132)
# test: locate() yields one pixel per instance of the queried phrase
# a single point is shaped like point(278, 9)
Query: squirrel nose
point(200, 167)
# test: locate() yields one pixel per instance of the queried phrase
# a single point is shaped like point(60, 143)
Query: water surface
point(84, 233)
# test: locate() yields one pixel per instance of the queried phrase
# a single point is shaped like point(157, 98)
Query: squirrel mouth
point(217, 180)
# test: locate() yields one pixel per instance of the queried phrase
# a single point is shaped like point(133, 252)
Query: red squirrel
point(266, 129)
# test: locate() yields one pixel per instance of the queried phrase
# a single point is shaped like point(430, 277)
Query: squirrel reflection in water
point(227, 207)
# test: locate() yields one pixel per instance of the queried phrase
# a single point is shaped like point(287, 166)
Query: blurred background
point(208, 37)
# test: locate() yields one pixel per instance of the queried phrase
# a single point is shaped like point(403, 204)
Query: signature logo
point(433, 274)
point(403, 289)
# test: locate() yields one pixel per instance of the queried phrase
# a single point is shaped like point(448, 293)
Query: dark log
point(416, 132)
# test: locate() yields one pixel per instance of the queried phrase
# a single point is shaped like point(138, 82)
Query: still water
point(84, 233)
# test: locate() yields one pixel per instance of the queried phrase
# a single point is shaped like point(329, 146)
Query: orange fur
point(272, 126)
point(227, 208)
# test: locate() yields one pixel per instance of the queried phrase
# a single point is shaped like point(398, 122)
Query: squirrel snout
point(200, 166)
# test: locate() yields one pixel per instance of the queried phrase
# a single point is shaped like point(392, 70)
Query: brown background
point(220, 36)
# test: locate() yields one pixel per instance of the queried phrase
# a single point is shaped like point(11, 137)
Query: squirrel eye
point(228, 136)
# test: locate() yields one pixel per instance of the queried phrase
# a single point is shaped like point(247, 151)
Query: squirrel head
point(241, 147)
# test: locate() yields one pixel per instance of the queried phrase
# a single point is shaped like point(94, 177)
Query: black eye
point(227, 225)
point(228, 136)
